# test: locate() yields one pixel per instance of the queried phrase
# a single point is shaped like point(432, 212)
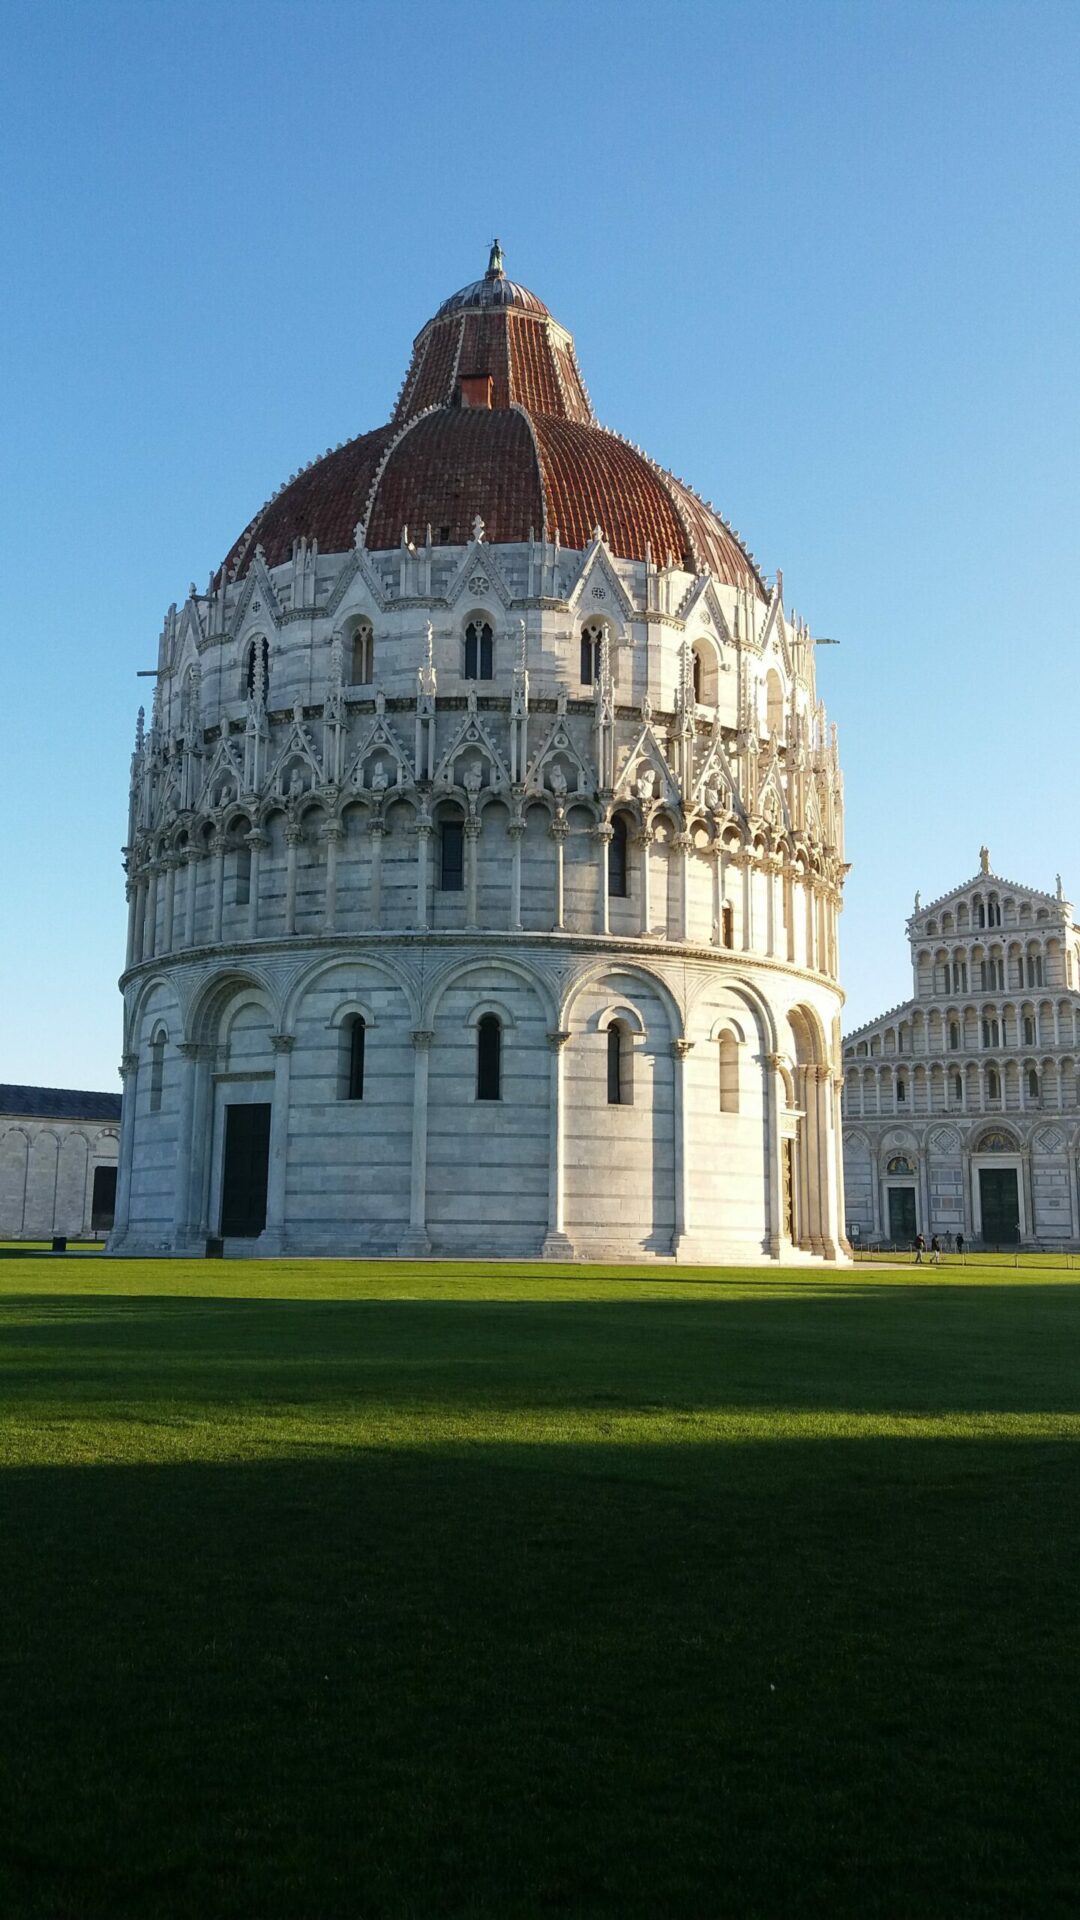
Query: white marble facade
point(961, 1108)
point(58, 1154)
point(627, 813)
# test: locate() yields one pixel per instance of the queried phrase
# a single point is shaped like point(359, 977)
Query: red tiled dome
point(494, 421)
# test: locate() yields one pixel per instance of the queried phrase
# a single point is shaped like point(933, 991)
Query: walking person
point(960, 1243)
point(935, 1252)
point(920, 1249)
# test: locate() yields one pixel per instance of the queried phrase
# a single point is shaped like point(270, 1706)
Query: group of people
point(935, 1248)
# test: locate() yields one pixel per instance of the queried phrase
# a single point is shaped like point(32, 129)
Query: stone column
point(129, 1074)
point(556, 1244)
point(559, 831)
point(217, 848)
point(416, 1242)
point(376, 830)
point(423, 843)
point(150, 925)
point(332, 835)
point(746, 864)
point(189, 1056)
point(829, 1184)
point(644, 840)
point(256, 840)
point(272, 1238)
point(472, 861)
point(808, 902)
point(775, 1102)
point(681, 1238)
point(718, 896)
point(682, 845)
point(516, 830)
point(294, 839)
point(604, 836)
point(171, 865)
point(132, 894)
point(192, 856)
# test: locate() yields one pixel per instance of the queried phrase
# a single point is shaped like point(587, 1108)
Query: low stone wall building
point(58, 1155)
point(962, 1106)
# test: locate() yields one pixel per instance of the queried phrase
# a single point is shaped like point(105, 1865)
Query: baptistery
point(485, 854)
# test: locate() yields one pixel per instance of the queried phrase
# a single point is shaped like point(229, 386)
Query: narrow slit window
point(452, 856)
point(617, 862)
point(489, 1057)
point(355, 1046)
point(616, 1041)
point(242, 893)
point(157, 1071)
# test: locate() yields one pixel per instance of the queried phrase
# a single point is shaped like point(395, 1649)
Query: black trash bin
point(215, 1247)
point(59, 1243)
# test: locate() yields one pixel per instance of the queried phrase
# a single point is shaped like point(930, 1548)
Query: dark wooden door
point(1000, 1206)
point(247, 1160)
point(902, 1214)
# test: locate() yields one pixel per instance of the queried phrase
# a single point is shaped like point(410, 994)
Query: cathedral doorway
point(902, 1219)
point(244, 1177)
point(1000, 1198)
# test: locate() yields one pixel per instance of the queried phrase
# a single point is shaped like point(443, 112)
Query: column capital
point(256, 839)
point(680, 1049)
point(775, 1061)
point(516, 829)
point(377, 826)
point(683, 843)
point(283, 1042)
point(605, 831)
point(129, 1064)
point(219, 843)
point(559, 829)
point(190, 1050)
point(333, 831)
point(645, 838)
point(192, 855)
point(294, 834)
point(422, 1038)
point(557, 1038)
point(472, 827)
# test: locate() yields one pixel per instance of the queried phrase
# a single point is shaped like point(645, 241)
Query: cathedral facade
point(961, 1107)
point(485, 854)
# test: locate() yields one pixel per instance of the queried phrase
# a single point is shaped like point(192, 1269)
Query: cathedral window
point(619, 1065)
point(489, 1057)
point(452, 856)
point(157, 1071)
point(258, 650)
point(957, 1087)
point(591, 640)
point(954, 1036)
point(1033, 1084)
point(901, 1092)
point(479, 651)
point(1034, 970)
point(1029, 1030)
point(993, 1084)
point(362, 663)
point(617, 875)
point(729, 1073)
point(993, 912)
point(354, 1036)
point(991, 1032)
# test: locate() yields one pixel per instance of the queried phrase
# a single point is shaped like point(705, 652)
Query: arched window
point(1034, 970)
point(727, 924)
point(242, 892)
point(157, 1071)
point(698, 679)
point(258, 649)
point(452, 856)
point(592, 637)
point(479, 651)
point(994, 914)
point(362, 664)
point(991, 1033)
point(353, 1038)
point(729, 1073)
point(901, 1091)
point(958, 1087)
point(774, 695)
point(1033, 1084)
point(489, 1057)
point(617, 874)
point(954, 1036)
point(619, 1065)
point(993, 1084)
point(1029, 1029)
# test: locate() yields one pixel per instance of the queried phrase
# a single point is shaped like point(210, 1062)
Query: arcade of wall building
point(974, 1080)
point(58, 1154)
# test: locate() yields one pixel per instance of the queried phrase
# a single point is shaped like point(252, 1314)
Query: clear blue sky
point(819, 259)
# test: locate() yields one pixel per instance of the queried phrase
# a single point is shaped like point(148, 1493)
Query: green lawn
point(345, 1590)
